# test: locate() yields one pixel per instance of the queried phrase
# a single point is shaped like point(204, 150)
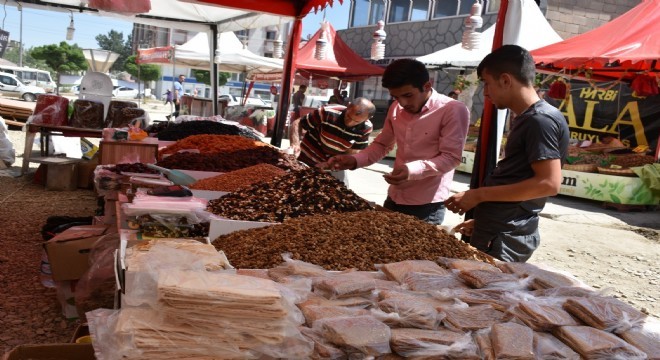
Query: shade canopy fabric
point(233, 56)
point(618, 49)
point(177, 14)
point(340, 61)
point(527, 28)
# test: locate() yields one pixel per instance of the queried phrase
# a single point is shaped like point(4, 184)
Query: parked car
point(233, 100)
point(11, 86)
point(124, 92)
point(75, 89)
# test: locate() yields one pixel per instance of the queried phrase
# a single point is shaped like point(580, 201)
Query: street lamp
point(71, 29)
point(20, 36)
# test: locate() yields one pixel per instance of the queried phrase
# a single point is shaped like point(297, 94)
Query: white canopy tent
point(232, 56)
point(526, 26)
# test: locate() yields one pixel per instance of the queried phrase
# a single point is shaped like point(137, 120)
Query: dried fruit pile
point(628, 161)
point(239, 179)
point(185, 129)
point(212, 144)
point(344, 241)
point(230, 161)
point(300, 193)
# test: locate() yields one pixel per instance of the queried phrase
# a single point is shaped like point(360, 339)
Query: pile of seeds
point(184, 129)
point(211, 144)
point(344, 241)
point(239, 179)
point(230, 161)
point(299, 193)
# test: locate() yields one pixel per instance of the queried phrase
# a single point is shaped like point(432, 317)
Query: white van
point(30, 76)
point(10, 86)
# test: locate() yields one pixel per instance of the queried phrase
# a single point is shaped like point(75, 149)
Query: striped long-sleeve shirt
point(327, 135)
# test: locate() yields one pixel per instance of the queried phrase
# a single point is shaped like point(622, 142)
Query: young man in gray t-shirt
point(506, 207)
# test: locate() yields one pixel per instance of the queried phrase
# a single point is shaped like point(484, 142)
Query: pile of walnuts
point(344, 241)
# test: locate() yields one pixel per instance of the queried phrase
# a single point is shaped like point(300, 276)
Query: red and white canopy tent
point(621, 49)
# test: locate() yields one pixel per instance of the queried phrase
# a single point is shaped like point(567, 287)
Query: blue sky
point(49, 27)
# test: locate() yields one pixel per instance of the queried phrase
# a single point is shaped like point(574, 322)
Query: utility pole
point(20, 37)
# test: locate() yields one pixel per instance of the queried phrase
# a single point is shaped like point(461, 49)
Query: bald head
point(359, 111)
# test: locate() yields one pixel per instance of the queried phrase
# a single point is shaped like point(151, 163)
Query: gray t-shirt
point(509, 230)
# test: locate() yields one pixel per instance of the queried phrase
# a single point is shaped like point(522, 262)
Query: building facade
point(419, 27)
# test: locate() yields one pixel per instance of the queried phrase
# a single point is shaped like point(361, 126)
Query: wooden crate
point(115, 152)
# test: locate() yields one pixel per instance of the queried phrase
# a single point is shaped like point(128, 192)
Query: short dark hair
point(510, 59)
point(404, 72)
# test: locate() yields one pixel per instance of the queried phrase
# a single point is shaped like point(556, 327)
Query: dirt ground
point(618, 253)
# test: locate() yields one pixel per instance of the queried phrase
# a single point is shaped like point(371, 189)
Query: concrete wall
point(573, 17)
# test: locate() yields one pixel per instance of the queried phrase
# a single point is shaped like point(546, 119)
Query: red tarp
point(617, 49)
point(341, 61)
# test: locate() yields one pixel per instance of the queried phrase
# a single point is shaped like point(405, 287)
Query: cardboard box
point(68, 251)
point(66, 295)
point(52, 352)
point(86, 173)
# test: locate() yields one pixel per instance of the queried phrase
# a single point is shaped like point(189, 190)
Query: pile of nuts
point(299, 193)
point(632, 160)
point(132, 168)
point(212, 144)
point(230, 161)
point(238, 179)
point(344, 241)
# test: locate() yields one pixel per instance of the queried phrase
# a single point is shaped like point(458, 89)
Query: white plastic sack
point(7, 152)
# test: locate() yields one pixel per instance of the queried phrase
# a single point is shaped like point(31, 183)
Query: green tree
point(11, 54)
point(114, 42)
point(144, 72)
point(62, 58)
point(204, 76)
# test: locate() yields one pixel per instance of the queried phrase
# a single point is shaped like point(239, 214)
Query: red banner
point(161, 55)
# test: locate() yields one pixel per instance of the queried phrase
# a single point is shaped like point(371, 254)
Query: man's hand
point(295, 149)
point(462, 202)
point(339, 162)
point(398, 176)
point(466, 227)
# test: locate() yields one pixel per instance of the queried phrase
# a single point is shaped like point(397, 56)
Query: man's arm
point(545, 182)
point(295, 132)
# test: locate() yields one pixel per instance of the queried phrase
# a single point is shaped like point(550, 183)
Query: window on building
point(270, 35)
point(377, 11)
point(445, 8)
point(420, 10)
point(399, 10)
point(465, 7)
point(360, 13)
point(268, 54)
point(493, 6)
point(242, 34)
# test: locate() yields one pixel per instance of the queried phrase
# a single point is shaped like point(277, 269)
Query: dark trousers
point(177, 107)
point(433, 213)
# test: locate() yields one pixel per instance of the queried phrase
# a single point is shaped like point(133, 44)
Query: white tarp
point(174, 14)
point(232, 55)
point(525, 26)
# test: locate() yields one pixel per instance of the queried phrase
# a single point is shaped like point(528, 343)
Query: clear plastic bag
point(51, 110)
point(406, 312)
point(397, 271)
point(646, 337)
point(361, 334)
point(436, 344)
point(543, 315)
point(345, 285)
point(97, 286)
point(595, 344)
point(484, 278)
point(547, 346)
point(604, 313)
point(512, 341)
point(432, 282)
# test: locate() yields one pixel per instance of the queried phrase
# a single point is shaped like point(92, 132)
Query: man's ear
point(506, 80)
point(427, 86)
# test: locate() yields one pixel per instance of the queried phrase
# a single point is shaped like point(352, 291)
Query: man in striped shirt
point(333, 130)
